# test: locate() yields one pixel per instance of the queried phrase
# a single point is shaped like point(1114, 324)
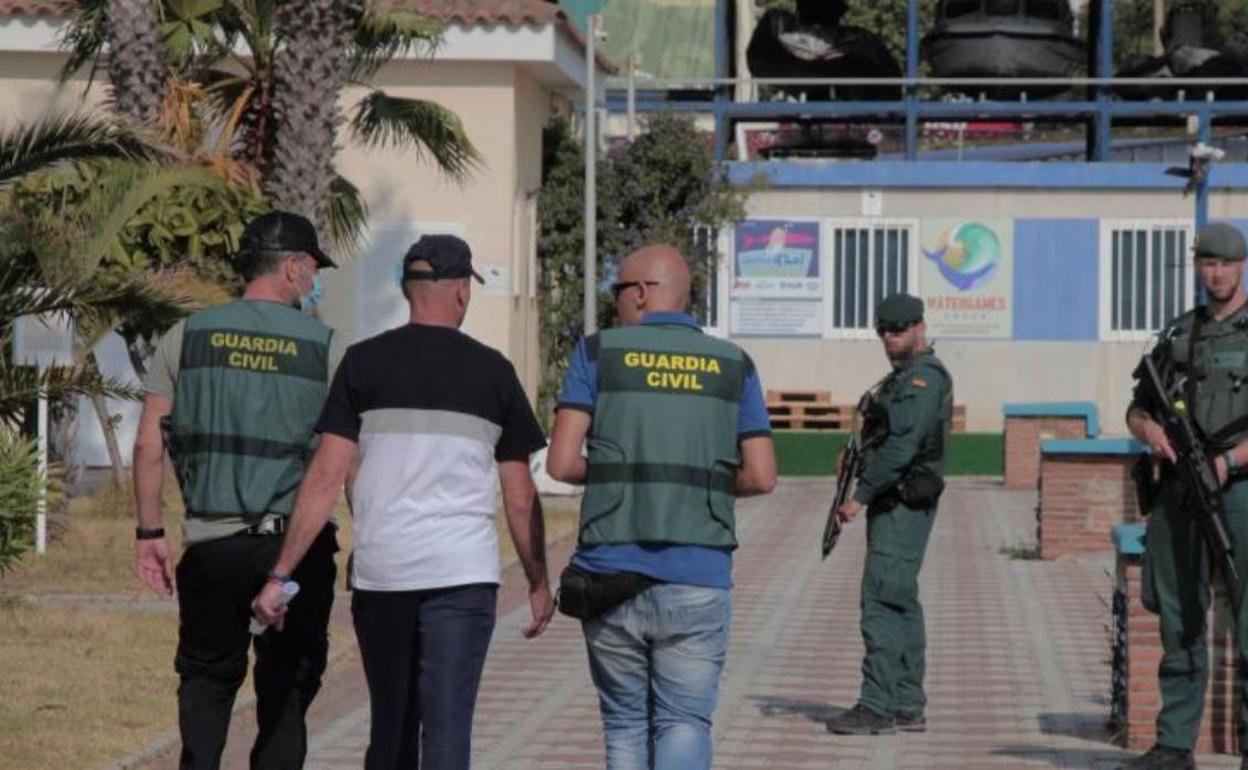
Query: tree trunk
point(136, 70)
point(308, 72)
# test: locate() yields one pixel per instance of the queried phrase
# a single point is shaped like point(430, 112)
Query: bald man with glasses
point(676, 430)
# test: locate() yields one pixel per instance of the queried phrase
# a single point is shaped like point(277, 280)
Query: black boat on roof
point(1186, 55)
point(813, 43)
point(1004, 38)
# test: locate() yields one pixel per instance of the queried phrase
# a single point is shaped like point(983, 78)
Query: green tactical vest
point(930, 460)
point(250, 387)
point(1216, 369)
point(663, 452)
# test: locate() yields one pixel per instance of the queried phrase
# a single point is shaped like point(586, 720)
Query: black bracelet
point(144, 533)
point(276, 577)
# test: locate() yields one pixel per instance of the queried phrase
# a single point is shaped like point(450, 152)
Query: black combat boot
point(1162, 758)
point(910, 722)
point(861, 720)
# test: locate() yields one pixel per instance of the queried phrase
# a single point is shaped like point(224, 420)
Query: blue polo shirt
point(687, 564)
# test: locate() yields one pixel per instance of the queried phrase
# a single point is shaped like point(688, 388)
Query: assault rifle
point(1194, 465)
point(851, 466)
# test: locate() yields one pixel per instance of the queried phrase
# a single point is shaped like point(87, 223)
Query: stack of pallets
point(807, 410)
point(814, 410)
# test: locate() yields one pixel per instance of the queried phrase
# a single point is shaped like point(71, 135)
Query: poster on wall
point(966, 278)
point(776, 284)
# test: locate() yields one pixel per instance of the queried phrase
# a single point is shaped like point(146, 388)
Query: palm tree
point(31, 283)
point(273, 73)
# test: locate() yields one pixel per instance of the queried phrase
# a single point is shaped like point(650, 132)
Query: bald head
point(664, 265)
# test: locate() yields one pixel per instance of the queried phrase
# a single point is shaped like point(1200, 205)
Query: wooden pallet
point(811, 416)
point(813, 410)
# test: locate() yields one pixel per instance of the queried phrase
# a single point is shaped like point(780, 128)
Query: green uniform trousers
point(1176, 587)
point(892, 618)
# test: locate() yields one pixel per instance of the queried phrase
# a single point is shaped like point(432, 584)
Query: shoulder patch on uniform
point(918, 382)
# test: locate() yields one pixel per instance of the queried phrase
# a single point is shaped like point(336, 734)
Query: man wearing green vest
point(232, 395)
point(905, 431)
point(676, 430)
point(1202, 357)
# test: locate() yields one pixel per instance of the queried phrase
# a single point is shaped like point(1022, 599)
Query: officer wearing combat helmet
point(1203, 359)
point(905, 433)
point(233, 394)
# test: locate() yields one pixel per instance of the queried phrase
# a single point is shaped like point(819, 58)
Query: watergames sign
point(966, 278)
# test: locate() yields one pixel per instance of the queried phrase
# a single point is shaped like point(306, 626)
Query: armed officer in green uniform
point(1203, 359)
point(233, 395)
point(905, 432)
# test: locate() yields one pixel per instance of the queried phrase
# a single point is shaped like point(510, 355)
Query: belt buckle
point(269, 525)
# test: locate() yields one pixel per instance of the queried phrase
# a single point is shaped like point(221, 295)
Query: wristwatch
point(146, 533)
point(274, 576)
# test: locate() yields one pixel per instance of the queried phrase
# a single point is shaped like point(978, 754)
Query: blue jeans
point(656, 661)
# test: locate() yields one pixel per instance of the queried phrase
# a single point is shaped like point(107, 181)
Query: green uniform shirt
point(916, 403)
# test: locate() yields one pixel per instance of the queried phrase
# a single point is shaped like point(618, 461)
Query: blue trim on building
point(1092, 446)
point(944, 175)
point(1055, 293)
point(1129, 538)
point(1085, 409)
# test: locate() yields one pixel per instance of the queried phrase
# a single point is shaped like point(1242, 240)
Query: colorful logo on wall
point(968, 255)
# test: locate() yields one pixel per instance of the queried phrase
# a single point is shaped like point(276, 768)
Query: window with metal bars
point(869, 261)
point(1146, 276)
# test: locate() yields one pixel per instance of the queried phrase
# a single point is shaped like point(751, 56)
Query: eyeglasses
point(616, 288)
point(890, 328)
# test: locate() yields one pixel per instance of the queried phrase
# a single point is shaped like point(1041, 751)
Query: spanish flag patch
point(919, 382)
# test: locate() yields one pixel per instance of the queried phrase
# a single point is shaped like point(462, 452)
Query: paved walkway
point(1018, 672)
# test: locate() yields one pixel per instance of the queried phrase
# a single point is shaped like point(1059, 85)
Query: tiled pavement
point(1018, 672)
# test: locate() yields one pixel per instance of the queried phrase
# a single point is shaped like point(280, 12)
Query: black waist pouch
point(585, 595)
point(921, 490)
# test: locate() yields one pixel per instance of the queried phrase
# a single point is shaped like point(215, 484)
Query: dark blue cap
point(448, 257)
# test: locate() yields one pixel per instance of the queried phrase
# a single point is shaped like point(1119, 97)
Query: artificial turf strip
point(813, 453)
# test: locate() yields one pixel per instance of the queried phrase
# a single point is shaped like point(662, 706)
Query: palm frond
point(381, 119)
point(20, 386)
point(83, 36)
point(348, 214)
point(96, 300)
point(60, 138)
point(382, 33)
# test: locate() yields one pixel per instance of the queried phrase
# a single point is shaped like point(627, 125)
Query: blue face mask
point(313, 298)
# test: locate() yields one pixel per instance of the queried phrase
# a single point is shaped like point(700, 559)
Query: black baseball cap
point(282, 231)
point(448, 257)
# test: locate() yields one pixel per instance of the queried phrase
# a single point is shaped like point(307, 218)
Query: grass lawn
point(813, 453)
point(82, 685)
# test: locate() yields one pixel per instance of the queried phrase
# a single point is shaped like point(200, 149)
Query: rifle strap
point(1193, 373)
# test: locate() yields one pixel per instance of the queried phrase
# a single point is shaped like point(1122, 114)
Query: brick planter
point(1026, 425)
point(1137, 652)
point(1085, 489)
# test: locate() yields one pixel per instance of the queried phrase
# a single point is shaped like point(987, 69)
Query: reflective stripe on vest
point(663, 451)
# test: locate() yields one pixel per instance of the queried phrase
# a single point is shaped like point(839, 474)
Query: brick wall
point(1139, 654)
point(1082, 497)
point(1022, 445)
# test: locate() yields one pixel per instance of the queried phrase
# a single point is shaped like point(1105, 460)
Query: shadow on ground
point(774, 706)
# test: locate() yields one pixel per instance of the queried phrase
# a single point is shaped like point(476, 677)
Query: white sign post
point(43, 341)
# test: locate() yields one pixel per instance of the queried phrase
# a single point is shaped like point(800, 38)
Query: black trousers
point(217, 581)
point(423, 653)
